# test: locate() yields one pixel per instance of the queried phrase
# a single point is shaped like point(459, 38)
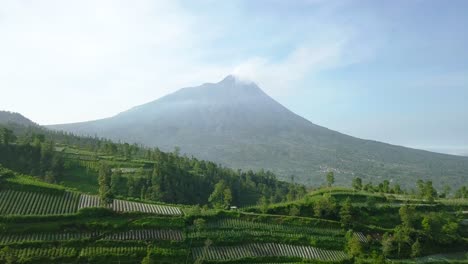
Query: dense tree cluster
point(166, 177)
point(31, 155)
point(175, 179)
point(419, 231)
point(383, 187)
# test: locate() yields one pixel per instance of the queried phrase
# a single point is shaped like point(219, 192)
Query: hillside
point(48, 223)
point(15, 118)
point(235, 123)
point(95, 201)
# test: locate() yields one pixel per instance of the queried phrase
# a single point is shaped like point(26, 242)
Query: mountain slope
point(15, 118)
point(235, 123)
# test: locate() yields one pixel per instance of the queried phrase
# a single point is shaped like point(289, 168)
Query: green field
point(154, 207)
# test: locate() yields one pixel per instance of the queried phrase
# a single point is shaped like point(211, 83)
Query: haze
point(394, 71)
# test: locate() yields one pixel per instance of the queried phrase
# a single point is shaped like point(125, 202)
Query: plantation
point(126, 206)
point(116, 204)
point(38, 203)
point(244, 224)
point(267, 250)
point(141, 235)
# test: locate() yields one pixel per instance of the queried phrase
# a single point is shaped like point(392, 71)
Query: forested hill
point(135, 171)
point(15, 118)
point(235, 123)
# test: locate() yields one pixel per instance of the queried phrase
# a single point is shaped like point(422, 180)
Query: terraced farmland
point(14, 202)
point(102, 251)
point(144, 234)
point(32, 237)
point(87, 200)
point(44, 252)
point(263, 234)
point(126, 206)
point(147, 234)
point(267, 250)
point(230, 224)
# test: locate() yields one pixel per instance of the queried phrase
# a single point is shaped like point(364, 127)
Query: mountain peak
point(236, 79)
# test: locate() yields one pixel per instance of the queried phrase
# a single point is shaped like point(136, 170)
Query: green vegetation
point(141, 210)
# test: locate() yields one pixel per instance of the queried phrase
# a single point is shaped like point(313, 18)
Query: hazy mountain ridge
point(235, 123)
point(16, 118)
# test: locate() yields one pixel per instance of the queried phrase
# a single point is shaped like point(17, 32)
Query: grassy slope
point(249, 230)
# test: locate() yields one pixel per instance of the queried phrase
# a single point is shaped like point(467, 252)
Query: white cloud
point(68, 61)
point(280, 76)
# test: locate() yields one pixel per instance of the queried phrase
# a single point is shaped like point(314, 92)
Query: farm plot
point(87, 200)
point(126, 206)
point(34, 237)
point(147, 234)
point(233, 223)
point(102, 251)
point(37, 203)
point(267, 250)
point(260, 234)
point(44, 252)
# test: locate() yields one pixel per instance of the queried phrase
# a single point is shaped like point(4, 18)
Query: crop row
point(234, 223)
point(32, 237)
point(258, 234)
point(37, 203)
point(87, 200)
point(145, 234)
point(126, 206)
point(267, 250)
point(100, 251)
point(44, 252)
point(73, 252)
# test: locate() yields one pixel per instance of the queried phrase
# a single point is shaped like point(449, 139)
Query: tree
point(416, 249)
point(117, 183)
point(150, 258)
point(330, 178)
point(354, 246)
point(325, 206)
point(7, 256)
point(294, 210)
point(227, 197)
point(401, 236)
point(377, 258)
point(386, 186)
point(104, 180)
point(462, 192)
point(397, 189)
point(199, 224)
point(371, 202)
point(387, 245)
point(420, 185)
point(407, 214)
point(429, 191)
point(6, 136)
point(346, 213)
point(49, 177)
point(446, 191)
point(357, 184)
point(221, 197)
point(427, 224)
point(264, 203)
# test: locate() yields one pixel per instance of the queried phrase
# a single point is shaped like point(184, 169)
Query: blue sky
point(393, 71)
